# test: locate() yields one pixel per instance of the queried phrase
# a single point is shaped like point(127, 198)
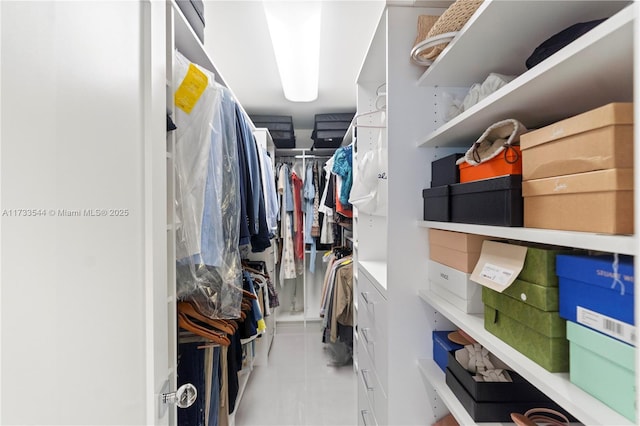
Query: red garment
point(298, 243)
point(340, 207)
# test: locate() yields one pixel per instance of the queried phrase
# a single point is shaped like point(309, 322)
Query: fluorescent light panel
point(295, 34)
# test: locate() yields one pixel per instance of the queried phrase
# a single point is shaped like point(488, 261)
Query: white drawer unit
point(372, 327)
point(365, 411)
point(371, 387)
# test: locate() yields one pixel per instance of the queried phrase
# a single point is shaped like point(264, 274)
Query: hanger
point(187, 324)
point(255, 265)
point(255, 271)
point(354, 122)
point(342, 251)
point(191, 311)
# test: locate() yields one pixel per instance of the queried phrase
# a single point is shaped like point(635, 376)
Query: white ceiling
point(237, 39)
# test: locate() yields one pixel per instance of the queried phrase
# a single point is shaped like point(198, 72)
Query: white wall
point(303, 138)
point(73, 330)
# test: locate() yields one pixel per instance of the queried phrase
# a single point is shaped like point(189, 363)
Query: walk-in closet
point(319, 213)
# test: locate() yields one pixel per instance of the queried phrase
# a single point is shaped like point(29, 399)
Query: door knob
point(184, 397)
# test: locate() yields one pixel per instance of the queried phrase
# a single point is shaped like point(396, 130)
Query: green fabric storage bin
point(540, 264)
point(545, 323)
point(603, 367)
point(538, 334)
point(538, 296)
point(551, 353)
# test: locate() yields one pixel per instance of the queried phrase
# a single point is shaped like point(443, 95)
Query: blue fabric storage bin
point(441, 348)
point(588, 282)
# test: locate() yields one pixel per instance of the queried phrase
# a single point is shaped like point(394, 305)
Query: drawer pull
point(364, 379)
point(365, 296)
point(365, 335)
point(364, 414)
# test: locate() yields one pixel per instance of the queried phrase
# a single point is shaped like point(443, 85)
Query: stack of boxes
point(486, 194)
point(575, 175)
point(453, 256)
point(526, 313)
point(494, 401)
point(566, 310)
point(596, 299)
point(578, 173)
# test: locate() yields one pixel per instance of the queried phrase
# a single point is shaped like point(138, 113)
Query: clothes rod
point(313, 156)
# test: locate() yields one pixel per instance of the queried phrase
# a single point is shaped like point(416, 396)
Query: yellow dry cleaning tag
point(190, 89)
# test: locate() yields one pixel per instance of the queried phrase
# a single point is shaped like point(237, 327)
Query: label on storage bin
point(499, 265)
point(606, 325)
point(191, 88)
point(497, 274)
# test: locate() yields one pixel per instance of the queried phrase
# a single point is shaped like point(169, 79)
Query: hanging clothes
point(207, 196)
point(337, 305)
point(309, 195)
point(298, 216)
point(327, 205)
point(269, 190)
point(287, 261)
point(343, 299)
point(254, 196)
point(315, 225)
point(337, 299)
point(343, 167)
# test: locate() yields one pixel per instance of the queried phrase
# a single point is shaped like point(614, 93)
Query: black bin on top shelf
point(329, 129)
point(280, 127)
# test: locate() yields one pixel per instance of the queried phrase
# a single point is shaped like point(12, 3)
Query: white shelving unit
point(556, 386)
point(394, 327)
point(563, 76)
point(570, 82)
point(621, 244)
point(596, 69)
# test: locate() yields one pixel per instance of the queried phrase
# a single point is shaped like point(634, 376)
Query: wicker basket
point(441, 31)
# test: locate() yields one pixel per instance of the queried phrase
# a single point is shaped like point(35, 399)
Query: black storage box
point(331, 125)
point(445, 171)
point(436, 204)
point(328, 138)
point(496, 201)
point(517, 390)
point(342, 116)
point(494, 411)
point(280, 127)
point(329, 129)
point(193, 10)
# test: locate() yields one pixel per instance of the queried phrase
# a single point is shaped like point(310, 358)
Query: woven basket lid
point(451, 21)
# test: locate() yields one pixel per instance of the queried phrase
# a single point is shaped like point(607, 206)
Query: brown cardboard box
point(600, 201)
point(595, 140)
point(455, 249)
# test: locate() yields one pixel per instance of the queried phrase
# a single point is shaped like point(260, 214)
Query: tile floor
point(298, 387)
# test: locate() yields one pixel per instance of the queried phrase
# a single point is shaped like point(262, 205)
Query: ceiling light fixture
point(295, 34)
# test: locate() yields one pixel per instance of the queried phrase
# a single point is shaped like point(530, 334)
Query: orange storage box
point(497, 166)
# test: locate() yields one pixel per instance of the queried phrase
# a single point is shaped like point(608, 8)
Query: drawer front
point(365, 412)
point(372, 327)
point(369, 385)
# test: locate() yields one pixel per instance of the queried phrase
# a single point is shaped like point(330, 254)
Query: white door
point(87, 323)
